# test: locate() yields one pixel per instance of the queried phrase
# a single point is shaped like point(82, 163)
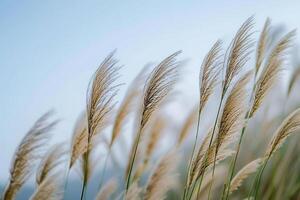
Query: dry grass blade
point(101, 93)
point(163, 177)
point(28, 154)
point(133, 192)
point(108, 189)
point(244, 173)
point(271, 71)
point(232, 118)
point(50, 189)
point(239, 52)
point(210, 71)
point(287, 127)
point(79, 140)
point(126, 106)
point(50, 162)
point(188, 124)
point(262, 45)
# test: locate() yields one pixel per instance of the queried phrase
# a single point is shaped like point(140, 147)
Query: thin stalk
point(212, 136)
point(199, 188)
point(136, 144)
point(247, 117)
point(259, 179)
point(83, 189)
point(192, 155)
point(256, 179)
point(212, 175)
point(235, 160)
point(86, 164)
point(189, 195)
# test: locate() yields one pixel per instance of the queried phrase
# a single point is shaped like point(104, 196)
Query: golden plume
point(244, 173)
point(287, 127)
point(271, 71)
point(238, 52)
point(28, 155)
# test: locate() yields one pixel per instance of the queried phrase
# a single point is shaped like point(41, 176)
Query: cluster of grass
point(240, 156)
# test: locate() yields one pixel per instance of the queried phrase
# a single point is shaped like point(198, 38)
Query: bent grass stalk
point(136, 143)
point(234, 160)
point(211, 138)
point(193, 151)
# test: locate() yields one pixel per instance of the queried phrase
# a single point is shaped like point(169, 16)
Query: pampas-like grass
point(108, 189)
point(271, 71)
point(288, 126)
point(208, 78)
point(159, 84)
point(232, 119)
point(163, 178)
point(100, 95)
point(27, 155)
point(50, 189)
point(248, 169)
point(50, 162)
point(213, 160)
point(100, 103)
point(196, 163)
point(236, 57)
point(211, 67)
point(239, 52)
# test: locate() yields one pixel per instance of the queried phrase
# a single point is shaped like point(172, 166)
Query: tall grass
point(235, 152)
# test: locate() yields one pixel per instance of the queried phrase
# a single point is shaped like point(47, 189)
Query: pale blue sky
point(49, 49)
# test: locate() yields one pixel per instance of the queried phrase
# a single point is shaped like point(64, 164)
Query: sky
point(49, 49)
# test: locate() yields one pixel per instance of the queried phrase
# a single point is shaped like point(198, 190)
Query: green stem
point(259, 180)
point(234, 162)
point(211, 139)
point(199, 186)
point(247, 117)
point(136, 144)
point(83, 189)
point(192, 155)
